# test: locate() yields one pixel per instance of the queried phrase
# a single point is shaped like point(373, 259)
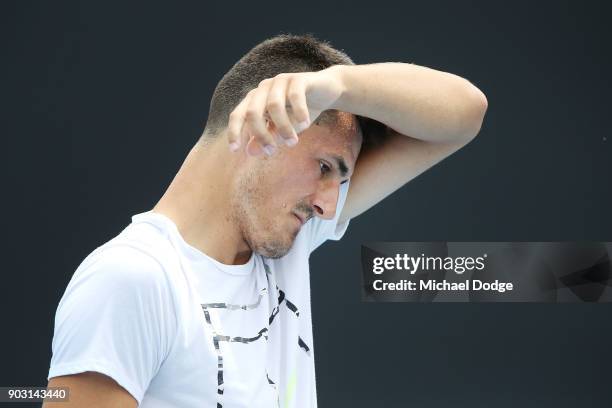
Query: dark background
point(101, 102)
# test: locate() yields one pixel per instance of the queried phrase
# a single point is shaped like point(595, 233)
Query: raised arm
point(429, 115)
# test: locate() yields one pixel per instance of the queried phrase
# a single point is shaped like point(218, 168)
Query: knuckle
point(296, 81)
point(274, 105)
point(294, 95)
point(250, 114)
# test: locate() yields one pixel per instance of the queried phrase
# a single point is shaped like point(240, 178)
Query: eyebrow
point(341, 165)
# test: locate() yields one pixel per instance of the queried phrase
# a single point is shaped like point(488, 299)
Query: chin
point(273, 249)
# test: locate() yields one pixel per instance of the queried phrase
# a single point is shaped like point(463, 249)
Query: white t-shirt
point(176, 328)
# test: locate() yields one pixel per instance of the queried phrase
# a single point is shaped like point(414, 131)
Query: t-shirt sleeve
point(321, 230)
point(116, 318)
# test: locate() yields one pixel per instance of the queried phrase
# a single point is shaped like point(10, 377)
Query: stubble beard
point(255, 221)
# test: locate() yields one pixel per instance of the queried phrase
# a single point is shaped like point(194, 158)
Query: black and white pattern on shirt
point(217, 337)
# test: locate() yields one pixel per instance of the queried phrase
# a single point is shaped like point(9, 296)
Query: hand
point(280, 108)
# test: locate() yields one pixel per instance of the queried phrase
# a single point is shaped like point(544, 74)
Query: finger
point(235, 135)
point(276, 106)
point(254, 148)
point(272, 129)
point(255, 120)
point(296, 95)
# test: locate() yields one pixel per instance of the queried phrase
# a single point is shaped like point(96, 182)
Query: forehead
point(341, 138)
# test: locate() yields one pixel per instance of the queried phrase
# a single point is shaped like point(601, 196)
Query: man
point(205, 299)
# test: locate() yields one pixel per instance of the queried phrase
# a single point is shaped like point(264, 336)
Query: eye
point(325, 168)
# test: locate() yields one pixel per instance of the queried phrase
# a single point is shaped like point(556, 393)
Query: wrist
point(338, 74)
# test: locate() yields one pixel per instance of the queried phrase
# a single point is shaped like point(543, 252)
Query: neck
point(198, 201)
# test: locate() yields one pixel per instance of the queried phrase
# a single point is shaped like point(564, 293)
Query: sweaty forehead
point(342, 134)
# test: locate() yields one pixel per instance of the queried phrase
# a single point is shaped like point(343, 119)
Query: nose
point(325, 199)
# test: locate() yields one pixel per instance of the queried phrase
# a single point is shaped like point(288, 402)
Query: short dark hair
point(276, 55)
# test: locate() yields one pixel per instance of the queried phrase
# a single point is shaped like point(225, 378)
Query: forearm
point(416, 101)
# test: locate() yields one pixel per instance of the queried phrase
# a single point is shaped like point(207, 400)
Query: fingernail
point(278, 136)
point(269, 149)
point(303, 126)
point(292, 141)
point(233, 146)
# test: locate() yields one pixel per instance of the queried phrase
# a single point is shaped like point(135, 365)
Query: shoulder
point(139, 255)
point(122, 272)
point(122, 265)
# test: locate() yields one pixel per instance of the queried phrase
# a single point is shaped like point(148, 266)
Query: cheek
point(294, 176)
point(298, 185)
